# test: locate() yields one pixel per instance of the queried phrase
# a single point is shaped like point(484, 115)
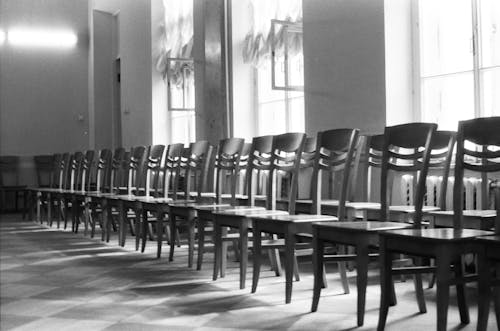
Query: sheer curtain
point(257, 45)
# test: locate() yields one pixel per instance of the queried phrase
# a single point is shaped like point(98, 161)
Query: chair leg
point(244, 253)
point(419, 289)
point(443, 263)
point(296, 268)
point(173, 231)
point(257, 251)
point(223, 260)
point(484, 294)
point(385, 283)
point(145, 230)
point(318, 267)
point(461, 298)
point(217, 249)
point(191, 226)
point(362, 260)
point(201, 242)
point(159, 232)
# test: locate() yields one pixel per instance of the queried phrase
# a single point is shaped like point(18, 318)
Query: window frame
point(418, 78)
point(169, 91)
point(296, 27)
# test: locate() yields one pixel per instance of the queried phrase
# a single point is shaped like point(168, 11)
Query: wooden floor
point(52, 279)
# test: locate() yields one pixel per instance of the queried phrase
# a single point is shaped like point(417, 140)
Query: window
point(176, 64)
point(271, 47)
point(180, 88)
point(459, 66)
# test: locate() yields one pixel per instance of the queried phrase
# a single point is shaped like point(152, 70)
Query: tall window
point(176, 64)
point(459, 60)
point(273, 46)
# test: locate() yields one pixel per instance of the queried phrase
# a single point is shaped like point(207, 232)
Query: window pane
point(272, 118)
point(489, 32)
point(490, 95)
point(445, 36)
point(448, 99)
point(297, 120)
point(182, 125)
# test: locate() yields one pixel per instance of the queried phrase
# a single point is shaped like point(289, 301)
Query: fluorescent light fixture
point(42, 38)
point(2, 37)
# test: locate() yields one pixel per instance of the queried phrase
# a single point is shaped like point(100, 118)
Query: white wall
point(44, 92)
point(344, 65)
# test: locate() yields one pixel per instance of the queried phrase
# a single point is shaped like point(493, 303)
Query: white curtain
point(177, 32)
point(257, 44)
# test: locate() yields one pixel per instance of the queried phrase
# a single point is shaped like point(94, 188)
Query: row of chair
point(255, 186)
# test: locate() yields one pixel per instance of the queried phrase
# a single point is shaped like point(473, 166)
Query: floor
point(52, 279)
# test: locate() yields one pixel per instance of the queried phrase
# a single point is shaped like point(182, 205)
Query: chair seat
point(411, 209)
point(467, 213)
point(219, 208)
point(149, 199)
point(363, 205)
point(365, 226)
point(447, 234)
point(250, 213)
point(296, 218)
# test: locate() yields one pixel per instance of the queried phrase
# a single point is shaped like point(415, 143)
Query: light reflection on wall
point(41, 38)
point(2, 37)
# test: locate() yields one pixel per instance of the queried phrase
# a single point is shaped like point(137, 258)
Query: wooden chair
point(289, 144)
point(43, 167)
point(124, 200)
point(229, 152)
point(445, 245)
point(488, 259)
point(333, 154)
point(415, 138)
point(230, 176)
point(112, 180)
point(93, 177)
point(40, 194)
point(161, 189)
point(9, 182)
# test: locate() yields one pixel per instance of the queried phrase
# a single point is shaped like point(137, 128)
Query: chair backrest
point(484, 134)
point(227, 167)
point(43, 166)
point(57, 167)
point(407, 148)
point(136, 170)
point(334, 156)
point(242, 174)
point(171, 170)
point(117, 169)
point(65, 173)
point(103, 170)
point(259, 162)
point(85, 172)
point(196, 167)
point(9, 170)
point(442, 147)
point(153, 169)
point(370, 159)
point(75, 170)
point(285, 160)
